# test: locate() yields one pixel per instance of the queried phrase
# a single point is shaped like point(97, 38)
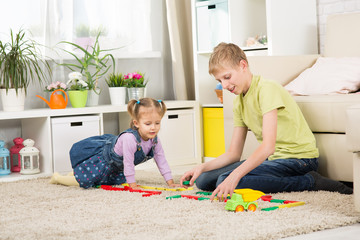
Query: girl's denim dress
point(95, 162)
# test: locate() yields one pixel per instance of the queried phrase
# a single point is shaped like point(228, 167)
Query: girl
point(111, 160)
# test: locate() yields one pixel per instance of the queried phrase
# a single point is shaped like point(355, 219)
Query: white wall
point(330, 7)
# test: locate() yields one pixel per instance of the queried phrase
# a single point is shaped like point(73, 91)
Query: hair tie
point(159, 100)
point(138, 102)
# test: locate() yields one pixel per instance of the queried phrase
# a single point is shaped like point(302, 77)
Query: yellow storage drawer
point(213, 127)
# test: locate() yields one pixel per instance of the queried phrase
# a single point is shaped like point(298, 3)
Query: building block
point(285, 203)
point(204, 193)
point(203, 198)
point(295, 204)
point(127, 188)
point(266, 198)
point(175, 196)
point(166, 189)
point(190, 197)
point(199, 198)
point(269, 208)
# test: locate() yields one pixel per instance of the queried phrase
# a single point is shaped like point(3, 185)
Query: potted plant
point(93, 65)
point(20, 63)
point(77, 89)
point(55, 86)
point(135, 85)
point(117, 88)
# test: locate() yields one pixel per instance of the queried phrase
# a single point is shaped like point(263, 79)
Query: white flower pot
point(117, 95)
point(93, 98)
point(11, 101)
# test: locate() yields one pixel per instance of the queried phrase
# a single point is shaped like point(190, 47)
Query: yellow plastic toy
point(243, 199)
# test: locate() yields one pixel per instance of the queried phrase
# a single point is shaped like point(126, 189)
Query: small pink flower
point(63, 85)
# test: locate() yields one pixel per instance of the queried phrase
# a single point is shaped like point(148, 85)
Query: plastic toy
point(161, 188)
point(127, 188)
point(285, 203)
point(204, 193)
point(186, 182)
point(189, 197)
point(166, 189)
point(243, 199)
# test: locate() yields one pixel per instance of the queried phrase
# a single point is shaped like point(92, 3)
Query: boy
point(287, 158)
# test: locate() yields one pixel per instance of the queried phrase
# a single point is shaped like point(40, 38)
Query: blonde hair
point(225, 54)
point(134, 107)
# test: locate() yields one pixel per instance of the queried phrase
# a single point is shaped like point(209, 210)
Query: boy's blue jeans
point(280, 175)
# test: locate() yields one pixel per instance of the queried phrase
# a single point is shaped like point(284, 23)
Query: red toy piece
point(126, 188)
point(266, 198)
point(190, 197)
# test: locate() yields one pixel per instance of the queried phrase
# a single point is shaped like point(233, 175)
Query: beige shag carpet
point(35, 209)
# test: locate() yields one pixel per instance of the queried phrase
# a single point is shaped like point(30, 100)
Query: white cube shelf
point(65, 132)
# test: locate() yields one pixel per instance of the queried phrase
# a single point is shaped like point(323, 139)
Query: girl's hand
point(191, 176)
point(171, 184)
point(134, 186)
point(226, 188)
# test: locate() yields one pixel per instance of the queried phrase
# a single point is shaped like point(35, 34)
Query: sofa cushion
point(328, 76)
point(326, 113)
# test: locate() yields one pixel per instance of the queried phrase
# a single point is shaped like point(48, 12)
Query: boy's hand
point(191, 176)
point(226, 187)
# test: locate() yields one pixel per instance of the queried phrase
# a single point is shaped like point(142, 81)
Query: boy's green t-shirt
point(294, 138)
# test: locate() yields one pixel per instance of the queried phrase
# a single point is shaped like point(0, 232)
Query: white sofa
point(325, 114)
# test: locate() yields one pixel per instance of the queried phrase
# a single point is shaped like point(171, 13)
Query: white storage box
point(65, 132)
point(177, 136)
point(212, 24)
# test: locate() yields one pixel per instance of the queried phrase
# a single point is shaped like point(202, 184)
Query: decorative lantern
point(29, 158)
point(15, 154)
point(4, 159)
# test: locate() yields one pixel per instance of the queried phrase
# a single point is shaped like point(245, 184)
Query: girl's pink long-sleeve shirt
point(126, 146)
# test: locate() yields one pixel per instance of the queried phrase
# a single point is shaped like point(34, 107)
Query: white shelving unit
point(36, 124)
point(290, 27)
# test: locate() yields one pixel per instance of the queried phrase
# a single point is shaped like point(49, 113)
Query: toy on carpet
point(161, 188)
point(127, 188)
point(285, 203)
point(199, 198)
point(243, 199)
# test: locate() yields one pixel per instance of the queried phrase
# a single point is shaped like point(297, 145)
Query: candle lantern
point(30, 160)
point(4, 159)
point(15, 158)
